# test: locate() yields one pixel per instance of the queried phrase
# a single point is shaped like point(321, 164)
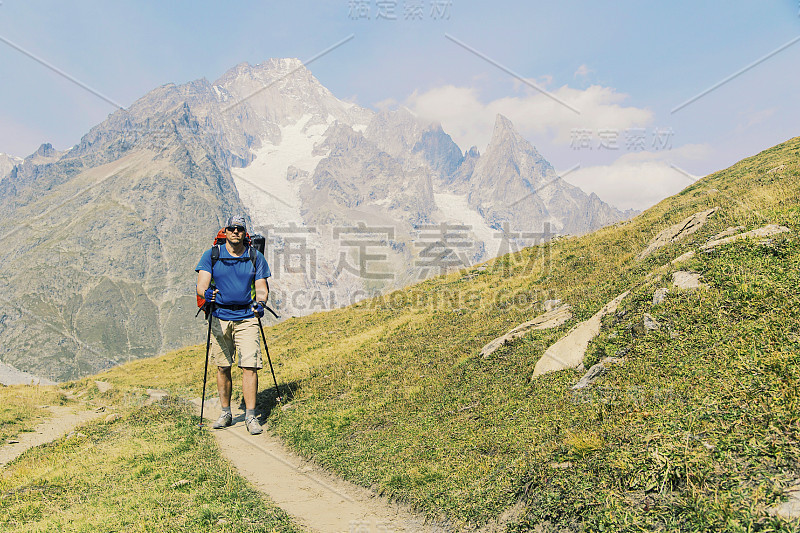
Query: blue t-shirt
point(234, 278)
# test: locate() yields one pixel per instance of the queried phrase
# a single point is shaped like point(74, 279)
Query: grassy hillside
point(697, 430)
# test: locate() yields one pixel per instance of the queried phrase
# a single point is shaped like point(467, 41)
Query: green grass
point(151, 470)
point(696, 431)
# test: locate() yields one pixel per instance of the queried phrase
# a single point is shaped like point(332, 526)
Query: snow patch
point(263, 186)
point(455, 209)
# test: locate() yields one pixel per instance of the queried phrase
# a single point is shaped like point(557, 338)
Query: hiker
point(239, 294)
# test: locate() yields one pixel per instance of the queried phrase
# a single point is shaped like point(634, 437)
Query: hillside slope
point(697, 429)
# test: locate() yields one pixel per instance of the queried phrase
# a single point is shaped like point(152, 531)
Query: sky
point(631, 100)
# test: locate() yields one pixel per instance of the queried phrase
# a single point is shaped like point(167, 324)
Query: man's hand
point(211, 294)
point(258, 309)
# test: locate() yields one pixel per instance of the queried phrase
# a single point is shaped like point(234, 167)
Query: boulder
point(678, 231)
point(596, 371)
point(569, 350)
point(650, 323)
point(686, 280)
point(660, 295)
point(551, 319)
point(766, 231)
point(790, 509)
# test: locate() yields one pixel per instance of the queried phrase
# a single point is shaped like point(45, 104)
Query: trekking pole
point(266, 348)
point(205, 370)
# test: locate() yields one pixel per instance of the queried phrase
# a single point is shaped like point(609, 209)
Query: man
point(233, 322)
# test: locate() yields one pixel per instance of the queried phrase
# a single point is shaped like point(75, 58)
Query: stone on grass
point(726, 233)
point(678, 231)
point(596, 371)
point(548, 320)
point(660, 296)
point(686, 280)
point(650, 323)
point(790, 509)
point(569, 350)
point(767, 231)
point(684, 257)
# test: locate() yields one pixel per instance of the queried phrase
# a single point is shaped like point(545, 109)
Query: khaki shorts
point(231, 336)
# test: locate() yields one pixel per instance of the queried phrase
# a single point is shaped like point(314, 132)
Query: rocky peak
point(394, 131)
point(439, 150)
point(45, 150)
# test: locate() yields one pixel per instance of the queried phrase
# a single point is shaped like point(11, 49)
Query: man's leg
point(248, 343)
point(249, 387)
point(222, 350)
point(224, 386)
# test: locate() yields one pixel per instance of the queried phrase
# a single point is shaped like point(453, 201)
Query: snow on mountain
point(7, 162)
point(270, 185)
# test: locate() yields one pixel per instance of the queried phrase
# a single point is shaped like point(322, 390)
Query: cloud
point(470, 121)
point(641, 179)
point(582, 71)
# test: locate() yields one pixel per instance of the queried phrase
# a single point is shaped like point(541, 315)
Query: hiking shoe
point(224, 420)
point(253, 426)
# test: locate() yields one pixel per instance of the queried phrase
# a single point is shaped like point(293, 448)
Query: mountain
point(7, 162)
point(353, 202)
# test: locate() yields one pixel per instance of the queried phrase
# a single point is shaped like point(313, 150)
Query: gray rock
point(650, 323)
point(686, 280)
point(660, 296)
point(678, 231)
point(766, 231)
point(596, 371)
point(548, 320)
point(790, 509)
point(549, 305)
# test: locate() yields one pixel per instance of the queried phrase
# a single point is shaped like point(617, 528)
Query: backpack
point(257, 242)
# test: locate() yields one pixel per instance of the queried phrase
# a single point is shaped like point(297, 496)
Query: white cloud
point(469, 120)
point(640, 180)
point(582, 71)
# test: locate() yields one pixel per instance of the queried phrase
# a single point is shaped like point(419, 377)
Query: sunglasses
point(237, 229)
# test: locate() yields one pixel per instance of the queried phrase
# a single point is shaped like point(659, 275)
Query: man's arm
point(203, 282)
point(262, 290)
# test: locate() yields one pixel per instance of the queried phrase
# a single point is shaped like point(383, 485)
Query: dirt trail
point(317, 500)
point(64, 420)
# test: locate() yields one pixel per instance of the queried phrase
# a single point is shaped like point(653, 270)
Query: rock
point(678, 231)
point(726, 233)
point(660, 296)
point(776, 169)
point(13, 441)
point(650, 323)
point(766, 231)
point(103, 386)
point(592, 374)
point(548, 320)
point(686, 280)
point(568, 351)
point(596, 371)
point(549, 305)
point(685, 257)
point(156, 395)
point(790, 509)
